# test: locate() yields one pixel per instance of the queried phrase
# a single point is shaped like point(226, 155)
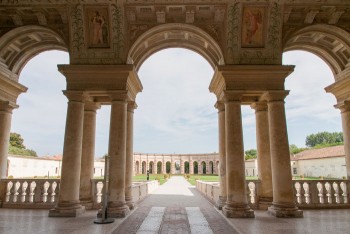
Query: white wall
point(327, 167)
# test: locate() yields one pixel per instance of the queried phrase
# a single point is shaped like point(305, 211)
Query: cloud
point(175, 110)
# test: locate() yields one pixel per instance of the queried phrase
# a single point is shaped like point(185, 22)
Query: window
point(295, 170)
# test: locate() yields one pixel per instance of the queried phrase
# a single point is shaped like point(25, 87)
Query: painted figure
point(252, 21)
point(98, 24)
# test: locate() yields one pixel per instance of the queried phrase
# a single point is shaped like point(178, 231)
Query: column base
point(285, 211)
point(264, 203)
point(237, 211)
point(130, 203)
point(67, 210)
point(220, 202)
point(88, 204)
point(120, 210)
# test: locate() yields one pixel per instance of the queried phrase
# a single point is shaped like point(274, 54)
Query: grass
point(160, 177)
point(211, 178)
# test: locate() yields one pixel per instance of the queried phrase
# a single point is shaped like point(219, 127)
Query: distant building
point(327, 162)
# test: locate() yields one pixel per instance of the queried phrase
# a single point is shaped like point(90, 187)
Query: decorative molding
point(233, 33)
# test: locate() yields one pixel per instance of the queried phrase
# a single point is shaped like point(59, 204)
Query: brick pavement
point(175, 195)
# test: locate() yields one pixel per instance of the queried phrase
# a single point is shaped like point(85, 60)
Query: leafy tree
point(324, 139)
point(293, 149)
point(16, 140)
point(250, 154)
point(17, 146)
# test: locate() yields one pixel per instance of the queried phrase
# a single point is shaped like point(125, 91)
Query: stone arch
point(151, 167)
point(211, 167)
point(175, 35)
point(187, 167)
point(144, 167)
point(329, 42)
point(168, 167)
point(195, 167)
point(159, 167)
point(204, 167)
point(21, 44)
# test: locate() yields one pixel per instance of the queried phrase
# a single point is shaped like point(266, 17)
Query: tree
point(250, 154)
point(293, 149)
point(324, 139)
point(17, 146)
point(16, 140)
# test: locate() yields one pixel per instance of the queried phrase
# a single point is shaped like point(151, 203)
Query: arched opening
point(187, 167)
point(168, 167)
point(211, 167)
point(195, 167)
point(150, 169)
point(204, 168)
point(159, 167)
point(144, 169)
point(177, 167)
point(137, 167)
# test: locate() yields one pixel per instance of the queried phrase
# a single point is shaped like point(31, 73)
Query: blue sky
point(175, 110)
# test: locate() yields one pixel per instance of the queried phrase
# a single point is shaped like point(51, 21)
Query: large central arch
point(175, 35)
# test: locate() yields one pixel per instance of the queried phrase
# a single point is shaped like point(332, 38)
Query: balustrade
point(43, 193)
point(307, 193)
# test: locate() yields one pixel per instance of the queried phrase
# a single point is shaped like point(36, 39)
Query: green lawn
point(211, 178)
point(159, 177)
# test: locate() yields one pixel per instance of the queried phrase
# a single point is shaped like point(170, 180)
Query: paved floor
point(175, 207)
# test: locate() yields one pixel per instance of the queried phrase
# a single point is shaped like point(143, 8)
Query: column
point(117, 207)
point(236, 204)
point(283, 198)
point(264, 157)
point(191, 167)
point(344, 107)
point(5, 128)
point(129, 155)
point(182, 166)
point(68, 204)
point(88, 154)
point(222, 156)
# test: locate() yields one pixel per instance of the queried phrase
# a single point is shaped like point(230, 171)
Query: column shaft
point(222, 156)
point(117, 151)
point(264, 157)
point(88, 155)
point(129, 156)
point(68, 201)
point(345, 116)
point(5, 128)
point(283, 197)
point(236, 203)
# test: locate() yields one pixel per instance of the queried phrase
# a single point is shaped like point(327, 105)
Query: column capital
point(274, 95)
point(259, 106)
point(75, 96)
point(118, 95)
point(233, 96)
point(343, 106)
point(220, 106)
point(132, 106)
point(6, 106)
point(91, 106)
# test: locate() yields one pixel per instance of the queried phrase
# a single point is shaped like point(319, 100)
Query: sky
point(175, 111)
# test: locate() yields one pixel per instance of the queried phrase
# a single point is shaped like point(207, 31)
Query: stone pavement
point(185, 210)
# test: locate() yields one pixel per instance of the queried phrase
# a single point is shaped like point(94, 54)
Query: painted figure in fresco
point(252, 20)
point(98, 24)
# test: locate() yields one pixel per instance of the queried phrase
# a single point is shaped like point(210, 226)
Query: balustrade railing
point(307, 193)
point(43, 193)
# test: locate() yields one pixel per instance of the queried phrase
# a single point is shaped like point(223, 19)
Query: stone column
point(222, 156)
point(68, 204)
point(5, 128)
point(191, 167)
point(88, 155)
point(283, 197)
point(182, 166)
point(236, 204)
point(264, 157)
point(345, 117)
point(129, 155)
point(117, 207)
